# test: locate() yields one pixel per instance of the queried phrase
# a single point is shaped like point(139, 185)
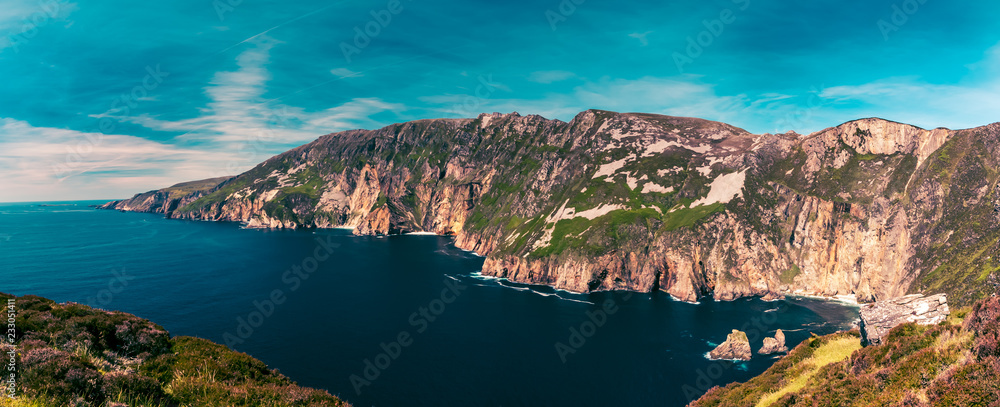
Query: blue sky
point(107, 99)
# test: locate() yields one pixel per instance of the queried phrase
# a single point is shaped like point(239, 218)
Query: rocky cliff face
point(641, 202)
point(878, 318)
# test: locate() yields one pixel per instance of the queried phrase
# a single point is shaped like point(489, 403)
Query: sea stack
point(736, 347)
point(774, 345)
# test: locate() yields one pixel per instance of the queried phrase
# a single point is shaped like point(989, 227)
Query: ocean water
point(408, 317)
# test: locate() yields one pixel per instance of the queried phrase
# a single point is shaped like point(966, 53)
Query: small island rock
point(736, 347)
point(774, 345)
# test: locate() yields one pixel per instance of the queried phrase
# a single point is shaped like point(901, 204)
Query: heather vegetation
point(955, 363)
point(74, 355)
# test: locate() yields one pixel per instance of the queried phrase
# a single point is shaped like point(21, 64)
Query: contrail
point(278, 26)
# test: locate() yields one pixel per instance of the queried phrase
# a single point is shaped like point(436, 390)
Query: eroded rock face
point(774, 345)
point(880, 317)
point(642, 202)
point(736, 347)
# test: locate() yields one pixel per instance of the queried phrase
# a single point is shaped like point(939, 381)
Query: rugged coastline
point(611, 201)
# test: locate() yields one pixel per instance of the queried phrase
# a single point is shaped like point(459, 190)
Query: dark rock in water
point(774, 345)
point(880, 317)
point(736, 347)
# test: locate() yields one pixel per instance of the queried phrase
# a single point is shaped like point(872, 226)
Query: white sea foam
point(740, 363)
point(849, 299)
point(684, 301)
point(478, 275)
point(570, 299)
point(470, 251)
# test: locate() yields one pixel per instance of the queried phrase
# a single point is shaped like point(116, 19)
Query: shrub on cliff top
point(984, 320)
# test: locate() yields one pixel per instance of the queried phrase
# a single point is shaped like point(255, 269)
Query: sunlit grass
point(21, 402)
point(831, 352)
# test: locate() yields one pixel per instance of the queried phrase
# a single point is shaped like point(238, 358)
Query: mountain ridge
point(647, 202)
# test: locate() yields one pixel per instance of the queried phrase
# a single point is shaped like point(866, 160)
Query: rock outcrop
point(774, 345)
point(736, 347)
point(642, 202)
point(880, 317)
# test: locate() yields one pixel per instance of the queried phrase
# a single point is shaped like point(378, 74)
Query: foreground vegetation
point(955, 363)
point(74, 355)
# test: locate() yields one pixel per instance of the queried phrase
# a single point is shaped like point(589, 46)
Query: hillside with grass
point(73, 355)
point(955, 363)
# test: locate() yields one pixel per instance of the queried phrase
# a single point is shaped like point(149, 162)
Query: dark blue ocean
point(318, 304)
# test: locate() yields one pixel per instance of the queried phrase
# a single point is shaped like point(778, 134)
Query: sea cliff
point(624, 201)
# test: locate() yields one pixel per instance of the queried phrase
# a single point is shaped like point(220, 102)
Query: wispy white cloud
point(345, 73)
point(971, 102)
point(351, 114)
point(683, 95)
point(641, 37)
point(234, 131)
point(550, 76)
point(20, 20)
point(238, 113)
point(44, 163)
point(675, 96)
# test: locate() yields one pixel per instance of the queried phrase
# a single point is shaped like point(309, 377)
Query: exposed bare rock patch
point(878, 318)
